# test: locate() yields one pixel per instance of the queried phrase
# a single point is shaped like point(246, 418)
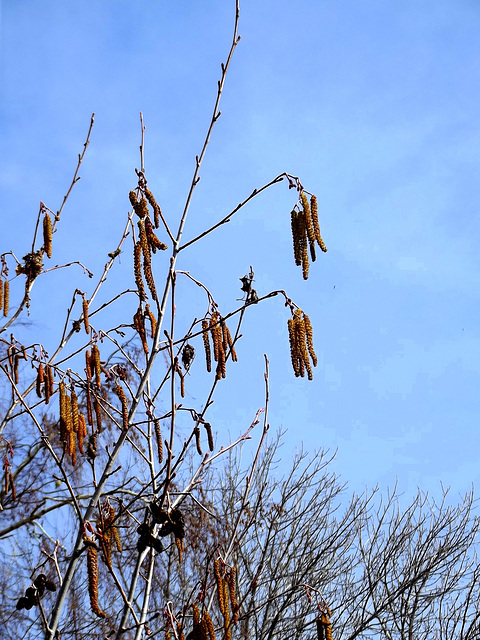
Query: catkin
point(123, 399)
point(147, 270)
point(6, 297)
point(179, 545)
point(156, 208)
point(153, 241)
point(1, 294)
point(206, 344)
point(316, 226)
point(158, 437)
point(144, 241)
point(98, 413)
point(92, 571)
point(153, 321)
point(47, 235)
point(209, 624)
point(233, 598)
point(198, 443)
point(48, 386)
point(95, 359)
point(39, 381)
point(320, 631)
point(308, 219)
point(327, 625)
point(85, 316)
point(63, 413)
point(81, 433)
point(139, 324)
point(137, 270)
point(309, 336)
point(208, 429)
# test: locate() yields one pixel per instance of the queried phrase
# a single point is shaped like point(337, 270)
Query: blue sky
point(374, 105)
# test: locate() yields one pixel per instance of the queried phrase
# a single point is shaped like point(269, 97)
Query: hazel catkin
point(92, 572)
point(47, 234)
point(206, 344)
point(6, 297)
point(85, 316)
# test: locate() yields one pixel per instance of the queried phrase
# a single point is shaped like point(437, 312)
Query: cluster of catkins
point(73, 426)
point(222, 343)
point(225, 578)
point(141, 315)
point(108, 533)
point(147, 243)
point(306, 230)
point(324, 626)
point(203, 628)
point(300, 334)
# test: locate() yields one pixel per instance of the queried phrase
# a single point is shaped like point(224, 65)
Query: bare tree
point(124, 515)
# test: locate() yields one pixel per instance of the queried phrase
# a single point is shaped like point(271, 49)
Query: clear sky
point(374, 105)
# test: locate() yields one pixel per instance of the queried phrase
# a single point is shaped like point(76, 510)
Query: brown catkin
point(81, 433)
point(6, 297)
point(1, 294)
point(196, 615)
point(158, 437)
point(47, 235)
point(327, 625)
point(309, 336)
point(137, 270)
point(231, 576)
point(156, 208)
point(153, 321)
point(208, 429)
point(320, 631)
point(293, 347)
point(62, 408)
point(92, 571)
point(48, 386)
point(85, 316)
point(206, 344)
point(316, 226)
point(209, 624)
point(123, 399)
point(144, 241)
point(98, 413)
point(179, 545)
point(198, 443)
point(153, 241)
point(74, 405)
point(297, 249)
point(220, 590)
point(97, 367)
point(139, 324)
point(39, 381)
point(308, 219)
point(147, 271)
point(69, 435)
point(216, 336)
